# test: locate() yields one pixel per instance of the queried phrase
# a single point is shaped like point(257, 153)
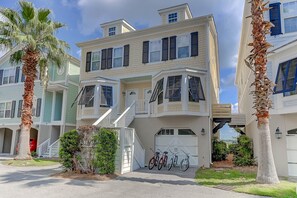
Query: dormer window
point(172, 17)
point(112, 31)
point(290, 16)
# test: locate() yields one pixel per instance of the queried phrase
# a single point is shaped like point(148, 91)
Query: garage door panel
point(292, 170)
point(292, 156)
point(177, 143)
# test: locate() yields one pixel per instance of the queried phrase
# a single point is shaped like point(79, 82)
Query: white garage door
point(292, 155)
point(178, 140)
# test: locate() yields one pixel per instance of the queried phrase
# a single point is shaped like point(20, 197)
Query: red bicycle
point(154, 160)
point(163, 160)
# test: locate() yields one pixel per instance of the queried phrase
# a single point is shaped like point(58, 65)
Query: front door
point(131, 95)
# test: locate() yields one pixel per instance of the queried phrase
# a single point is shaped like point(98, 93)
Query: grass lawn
point(244, 182)
point(33, 162)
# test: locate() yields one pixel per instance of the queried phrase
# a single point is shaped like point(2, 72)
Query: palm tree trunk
point(29, 70)
point(266, 168)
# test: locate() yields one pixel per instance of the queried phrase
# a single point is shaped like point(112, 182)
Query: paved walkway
point(35, 182)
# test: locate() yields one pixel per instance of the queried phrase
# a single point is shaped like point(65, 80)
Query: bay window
point(173, 88)
point(87, 97)
point(158, 92)
point(195, 89)
point(106, 96)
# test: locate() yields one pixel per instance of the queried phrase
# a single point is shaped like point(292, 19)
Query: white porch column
point(13, 142)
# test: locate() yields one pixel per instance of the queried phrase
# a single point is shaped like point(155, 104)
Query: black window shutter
point(38, 107)
point(164, 49)
point(103, 59)
point(126, 55)
point(12, 109)
point(109, 58)
point(20, 107)
point(17, 74)
point(172, 47)
point(275, 18)
point(145, 51)
point(194, 44)
point(1, 76)
point(88, 61)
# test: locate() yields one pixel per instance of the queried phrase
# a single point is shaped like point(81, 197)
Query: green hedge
point(243, 151)
point(220, 150)
point(105, 151)
point(69, 145)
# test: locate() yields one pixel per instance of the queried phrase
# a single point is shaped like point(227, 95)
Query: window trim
point(177, 47)
point(283, 17)
point(112, 31)
point(113, 56)
point(112, 94)
point(100, 54)
point(150, 50)
point(5, 109)
point(173, 19)
point(9, 75)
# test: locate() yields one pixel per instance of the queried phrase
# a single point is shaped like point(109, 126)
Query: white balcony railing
point(142, 106)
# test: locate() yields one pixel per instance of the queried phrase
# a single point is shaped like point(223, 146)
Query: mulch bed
point(74, 175)
point(228, 163)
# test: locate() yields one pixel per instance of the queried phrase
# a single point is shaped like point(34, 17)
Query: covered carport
point(5, 140)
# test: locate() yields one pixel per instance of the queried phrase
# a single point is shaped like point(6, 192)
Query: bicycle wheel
point(161, 163)
point(170, 164)
point(165, 161)
point(184, 165)
point(151, 163)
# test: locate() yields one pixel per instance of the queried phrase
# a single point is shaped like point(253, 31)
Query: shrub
point(243, 152)
point(105, 151)
point(69, 146)
point(220, 150)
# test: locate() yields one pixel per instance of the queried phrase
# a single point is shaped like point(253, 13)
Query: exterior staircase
point(48, 150)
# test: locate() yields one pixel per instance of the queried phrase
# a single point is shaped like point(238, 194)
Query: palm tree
point(263, 89)
point(30, 32)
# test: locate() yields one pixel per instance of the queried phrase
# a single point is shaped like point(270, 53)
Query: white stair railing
point(126, 117)
point(54, 149)
point(107, 118)
point(43, 147)
point(142, 106)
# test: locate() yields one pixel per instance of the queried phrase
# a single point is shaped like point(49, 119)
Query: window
point(106, 96)
point(96, 60)
point(87, 97)
point(292, 132)
point(8, 76)
point(112, 31)
point(118, 57)
point(289, 14)
point(172, 17)
point(5, 109)
point(158, 92)
point(291, 25)
point(185, 132)
point(195, 89)
point(173, 88)
point(166, 132)
point(155, 51)
point(183, 46)
point(286, 78)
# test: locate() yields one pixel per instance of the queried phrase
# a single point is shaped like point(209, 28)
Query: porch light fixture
point(278, 133)
point(203, 132)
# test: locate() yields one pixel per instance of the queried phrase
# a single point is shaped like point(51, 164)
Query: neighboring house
point(281, 69)
point(52, 112)
point(160, 81)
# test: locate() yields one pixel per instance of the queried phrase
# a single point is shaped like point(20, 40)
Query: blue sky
point(83, 19)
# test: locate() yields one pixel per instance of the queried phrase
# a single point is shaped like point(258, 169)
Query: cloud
point(234, 108)
point(228, 81)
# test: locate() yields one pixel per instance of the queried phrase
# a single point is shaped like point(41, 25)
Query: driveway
point(35, 182)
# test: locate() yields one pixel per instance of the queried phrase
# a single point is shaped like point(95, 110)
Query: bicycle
point(185, 163)
point(173, 160)
point(163, 161)
point(154, 160)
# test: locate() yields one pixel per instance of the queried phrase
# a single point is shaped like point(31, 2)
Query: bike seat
point(157, 153)
point(166, 152)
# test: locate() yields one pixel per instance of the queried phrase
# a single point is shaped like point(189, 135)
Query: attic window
point(172, 17)
point(112, 31)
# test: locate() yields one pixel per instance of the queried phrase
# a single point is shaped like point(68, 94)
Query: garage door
point(292, 155)
point(178, 140)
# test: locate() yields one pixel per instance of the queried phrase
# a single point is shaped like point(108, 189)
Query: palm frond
point(16, 57)
point(27, 10)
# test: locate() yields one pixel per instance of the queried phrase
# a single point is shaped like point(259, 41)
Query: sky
point(83, 19)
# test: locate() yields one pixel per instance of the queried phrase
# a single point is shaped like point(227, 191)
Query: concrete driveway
point(36, 183)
